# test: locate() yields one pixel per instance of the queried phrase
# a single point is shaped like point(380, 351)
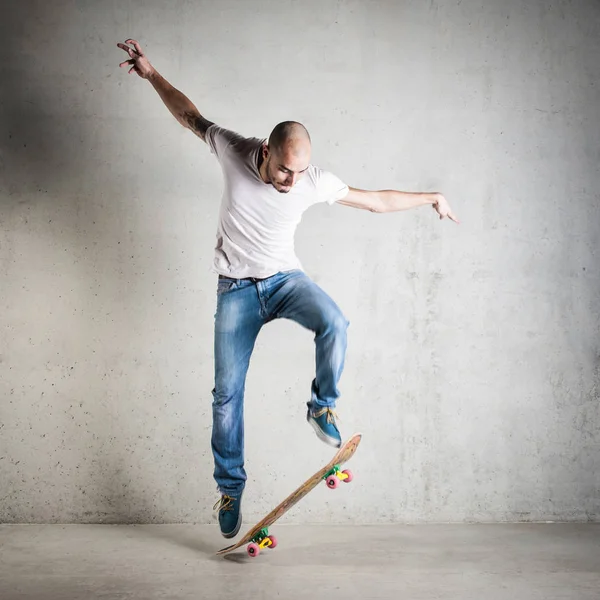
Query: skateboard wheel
point(253, 550)
point(273, 541)
point(349, 475)
point(332, 482)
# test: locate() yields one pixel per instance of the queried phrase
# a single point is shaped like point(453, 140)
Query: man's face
point(285, 167)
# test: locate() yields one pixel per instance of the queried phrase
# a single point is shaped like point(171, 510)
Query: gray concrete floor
point(483, 562)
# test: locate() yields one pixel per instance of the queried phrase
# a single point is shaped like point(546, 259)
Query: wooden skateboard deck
point(329, 472)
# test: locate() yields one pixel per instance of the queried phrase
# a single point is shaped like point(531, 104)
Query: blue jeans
point(243, 307)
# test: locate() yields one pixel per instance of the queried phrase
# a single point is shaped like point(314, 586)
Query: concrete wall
point(473, 366)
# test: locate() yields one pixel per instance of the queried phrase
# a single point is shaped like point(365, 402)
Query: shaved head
point(286, 156)
point(286, 133)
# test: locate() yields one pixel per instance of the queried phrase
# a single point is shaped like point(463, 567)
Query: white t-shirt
point(255, 236)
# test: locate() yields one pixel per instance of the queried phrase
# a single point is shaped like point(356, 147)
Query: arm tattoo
point(197, 123)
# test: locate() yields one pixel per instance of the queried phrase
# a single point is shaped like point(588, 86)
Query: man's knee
point(227, 392)
point(335, 323)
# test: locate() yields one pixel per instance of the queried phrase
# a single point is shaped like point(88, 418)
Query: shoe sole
point(324, 438)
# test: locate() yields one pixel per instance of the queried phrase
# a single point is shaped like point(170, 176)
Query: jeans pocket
point(224, 286)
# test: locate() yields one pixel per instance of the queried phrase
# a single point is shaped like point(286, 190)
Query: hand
point(138, 61)
point(443, 208)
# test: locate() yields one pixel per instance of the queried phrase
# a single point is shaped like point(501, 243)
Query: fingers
point(132, 70)
point(126, 48)
point(444, 212)
point(136, 45)
point(127, 62)
point(132, 53)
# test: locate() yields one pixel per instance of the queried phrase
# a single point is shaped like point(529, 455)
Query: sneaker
point(323, 422)
point(230, 514)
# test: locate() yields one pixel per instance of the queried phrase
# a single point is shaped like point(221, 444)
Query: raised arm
point(382, 201)
point(180, 106)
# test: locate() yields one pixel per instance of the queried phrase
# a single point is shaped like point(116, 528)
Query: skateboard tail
point(225, 550)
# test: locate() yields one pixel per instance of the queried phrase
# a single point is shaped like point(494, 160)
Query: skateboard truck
point(335, 475)
point(261, 541)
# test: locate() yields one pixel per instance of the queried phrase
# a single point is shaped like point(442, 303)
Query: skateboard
point(258, 538)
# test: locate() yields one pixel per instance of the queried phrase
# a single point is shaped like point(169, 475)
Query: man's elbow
point(378, 205)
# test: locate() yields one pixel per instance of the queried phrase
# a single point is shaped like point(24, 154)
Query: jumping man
point(268, 186)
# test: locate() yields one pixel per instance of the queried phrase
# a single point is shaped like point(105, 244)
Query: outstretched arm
point(383, 201)
point(180, 106)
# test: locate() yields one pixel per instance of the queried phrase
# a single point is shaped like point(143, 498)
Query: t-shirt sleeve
point(330, 188)
point(219, 139)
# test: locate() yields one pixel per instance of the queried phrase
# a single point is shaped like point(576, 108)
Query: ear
point(265, 150)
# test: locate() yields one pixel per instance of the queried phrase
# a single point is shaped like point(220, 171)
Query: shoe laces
point(331, 415)
point(225, 503)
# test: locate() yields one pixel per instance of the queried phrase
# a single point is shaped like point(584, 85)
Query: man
point(267, 188)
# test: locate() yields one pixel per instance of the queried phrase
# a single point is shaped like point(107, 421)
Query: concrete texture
point(473, 364)
point(462, 562)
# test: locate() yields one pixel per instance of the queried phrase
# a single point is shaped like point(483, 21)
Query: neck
point(262, 168)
